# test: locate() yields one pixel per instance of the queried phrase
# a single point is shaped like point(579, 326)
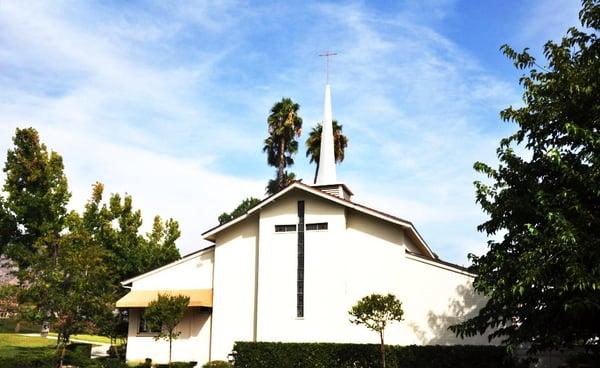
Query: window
point(284, 228)
point(144, 328)
point(317, 226)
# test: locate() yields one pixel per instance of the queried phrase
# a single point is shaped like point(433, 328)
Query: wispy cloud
point(168, 102)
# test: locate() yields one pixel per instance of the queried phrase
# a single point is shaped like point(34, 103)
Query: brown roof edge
point(198, 251)
point(358, 204)
point(325, 194)
point(437, 260)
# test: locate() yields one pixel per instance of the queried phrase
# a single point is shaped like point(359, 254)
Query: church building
point(291, 268)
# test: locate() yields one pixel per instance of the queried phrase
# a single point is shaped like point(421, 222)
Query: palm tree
point(285, 125)
point(313, 144)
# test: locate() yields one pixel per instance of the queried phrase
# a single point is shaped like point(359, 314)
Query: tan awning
point(141, 298)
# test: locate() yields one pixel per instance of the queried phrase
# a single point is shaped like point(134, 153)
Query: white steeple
point(326, 174)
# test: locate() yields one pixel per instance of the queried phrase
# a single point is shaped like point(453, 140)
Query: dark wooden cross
point(327, 55)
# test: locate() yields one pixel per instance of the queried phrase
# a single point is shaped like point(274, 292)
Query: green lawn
point(86, 338)
point(14, 345)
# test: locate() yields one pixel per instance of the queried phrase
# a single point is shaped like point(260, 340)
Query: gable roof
point(411, 231)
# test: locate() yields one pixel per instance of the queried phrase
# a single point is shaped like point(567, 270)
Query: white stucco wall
point(437, 299)
point(358, 255)
point(254, 283)
point(234, 285)
point(324, 286)
point(193, 272)
point(191, 345)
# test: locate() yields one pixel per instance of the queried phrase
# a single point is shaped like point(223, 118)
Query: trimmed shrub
point(78, 354)
point(107, 362)
point(217, 364)
point(329, 355)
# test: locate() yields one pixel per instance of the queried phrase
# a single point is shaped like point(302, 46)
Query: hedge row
point(328, 355)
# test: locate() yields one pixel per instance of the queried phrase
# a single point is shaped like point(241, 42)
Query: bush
point(178, 365)
point(37, 361)
point(146, 364)
point(9, 325)
point(108, 362)
point(217, 364)
point(328, 355)
point(78, 354)
point(583, 360)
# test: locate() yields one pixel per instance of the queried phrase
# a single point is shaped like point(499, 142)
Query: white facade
point(252, 271)
point(192, 272)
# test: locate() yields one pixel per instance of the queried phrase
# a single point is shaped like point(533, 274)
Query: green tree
point(160, 243)
point(313, 144)
point(116, 225)
point(376, 311)
point(542, 275)
point(37, 195)
point(275, 185)
point(8, 299)
point(8, 226)
point(246, 205)
point(285, 125)
point(164, 314)
point(67, 285)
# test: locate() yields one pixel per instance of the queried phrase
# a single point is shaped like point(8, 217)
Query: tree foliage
point(8, 299)
point(164, 314)
point(277, 184)
point(68, 284)
point(37, 195)
point(116, 226)
point(542, 275)
point(285, 125)
point(375, 312)
point(313, 144)
point(246, 205)
point(63, 257)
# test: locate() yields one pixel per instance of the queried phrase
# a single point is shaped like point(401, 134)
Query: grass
point(14, 345)
point(86, 338)
point(8, 326)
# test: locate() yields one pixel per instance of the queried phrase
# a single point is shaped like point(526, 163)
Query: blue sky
point(169, 102)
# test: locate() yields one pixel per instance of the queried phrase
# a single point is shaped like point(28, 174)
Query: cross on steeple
point(327, 55)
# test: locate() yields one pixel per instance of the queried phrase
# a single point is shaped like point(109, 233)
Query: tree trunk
point(58, 339)
point(170, 349)
point(62, 355)
point(382, 350)
point(113, 345)
point(316, 172)
point(281, 163)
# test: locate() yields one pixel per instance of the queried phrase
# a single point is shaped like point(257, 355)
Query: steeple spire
point(326, 173)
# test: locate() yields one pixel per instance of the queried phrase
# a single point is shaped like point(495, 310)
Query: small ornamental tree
point(164, 314)
point(376, 311)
